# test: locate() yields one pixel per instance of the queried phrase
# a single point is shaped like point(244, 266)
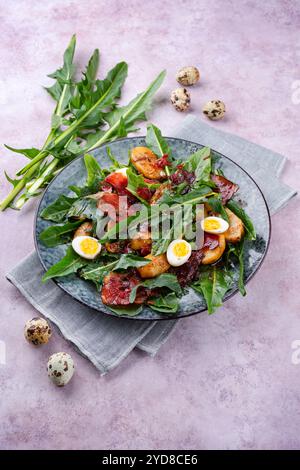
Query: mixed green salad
point(145, 232)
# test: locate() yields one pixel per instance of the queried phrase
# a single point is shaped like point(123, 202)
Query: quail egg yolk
point(180, 249)
point(89, 246)
point(211, 224)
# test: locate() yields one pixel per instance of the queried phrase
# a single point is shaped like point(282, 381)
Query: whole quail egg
point(37, 331)
point(60, 368)
point(214, 109)
point(180, 98)
point(188, 76)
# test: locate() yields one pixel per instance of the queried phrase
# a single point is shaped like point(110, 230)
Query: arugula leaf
point(156, 142)
point(215, 203)
point(81, 191)
point(92, 68)
point(120, 227)
point(57, 211)
point(70, 263)
point(133, 112)
point(239, 212)
point(94, 171)
point(96, 271)
point(58, 234)
point(114, 161)
point(129, 311)
point(161, 245)
point(166, 304)
point(196, 196)
point(130, 261)
point(238, 251)
point(200, 163)
point(90, 106)
point(29, 153)
point(13, 181)
point(164, 280)
point(88, 109)
point(136, 181)
point(213, 285)
point(177, 230)
point(62, 88)
point(84, 208)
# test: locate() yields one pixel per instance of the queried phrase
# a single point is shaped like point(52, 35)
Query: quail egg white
point(214, 225)
point(123, 170)
point(60, 368)
point(178, 252)
point(86, 247)
point(37, 331)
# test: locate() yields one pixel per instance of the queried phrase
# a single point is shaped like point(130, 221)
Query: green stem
point(18, 188)
point(36, 184)
point(21, 184)
point(40, 156)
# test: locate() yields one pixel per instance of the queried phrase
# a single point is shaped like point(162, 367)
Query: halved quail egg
point(87, 247)
point(214, 225)
point(178, 252)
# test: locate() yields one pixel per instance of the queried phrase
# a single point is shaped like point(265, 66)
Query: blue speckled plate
point(249, 194)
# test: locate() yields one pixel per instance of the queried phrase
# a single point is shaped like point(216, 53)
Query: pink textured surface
point(225, 381)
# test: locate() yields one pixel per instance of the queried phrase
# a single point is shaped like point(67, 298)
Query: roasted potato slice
point(144, 160)
point(84, 229)
point(157, 266)
point(113, 247)
point(211, 256)
point(236, 229)
point(141, 241)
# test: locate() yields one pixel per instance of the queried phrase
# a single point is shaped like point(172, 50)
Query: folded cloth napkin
point(106, 340)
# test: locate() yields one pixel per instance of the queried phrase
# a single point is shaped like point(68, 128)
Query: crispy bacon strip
point(188, 272)
point(226, 188)
point(211, 241)
point(117, 287)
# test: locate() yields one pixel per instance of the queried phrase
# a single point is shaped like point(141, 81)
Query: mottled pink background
point(220, 382)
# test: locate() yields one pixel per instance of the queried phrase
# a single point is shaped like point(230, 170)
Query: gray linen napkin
point(265, 166)
point(105, 340)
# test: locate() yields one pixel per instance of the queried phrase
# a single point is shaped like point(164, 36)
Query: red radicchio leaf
point(144, 193)
point(181, 176)
point(163, 161)
point(189, 271)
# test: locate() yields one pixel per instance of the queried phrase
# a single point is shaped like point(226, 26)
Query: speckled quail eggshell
point(188, 76)
point(60, 368)
point(214, 109)
point(37, 331)
point(180, 99)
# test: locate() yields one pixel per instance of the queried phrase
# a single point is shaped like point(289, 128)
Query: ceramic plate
point(249, 195)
